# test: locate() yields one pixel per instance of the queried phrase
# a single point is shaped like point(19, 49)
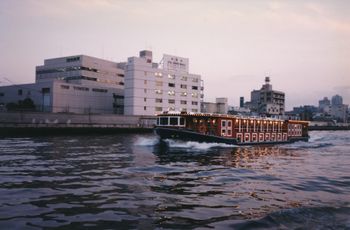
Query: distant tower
point(337, 100)
point(241, 102)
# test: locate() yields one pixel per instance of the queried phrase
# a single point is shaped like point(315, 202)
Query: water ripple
point(134, 181)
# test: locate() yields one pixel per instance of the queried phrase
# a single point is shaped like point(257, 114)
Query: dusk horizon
point(302, 46)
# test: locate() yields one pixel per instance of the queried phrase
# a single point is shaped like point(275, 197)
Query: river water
point(130, 181)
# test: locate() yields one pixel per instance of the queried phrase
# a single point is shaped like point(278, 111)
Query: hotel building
point(151, 88)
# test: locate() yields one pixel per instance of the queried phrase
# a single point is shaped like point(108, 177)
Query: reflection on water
point(135, 181)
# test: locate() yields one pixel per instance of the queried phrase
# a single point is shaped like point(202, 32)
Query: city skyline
point(302, 45)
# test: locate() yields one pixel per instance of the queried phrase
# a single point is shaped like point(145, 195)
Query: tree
point(27, 104)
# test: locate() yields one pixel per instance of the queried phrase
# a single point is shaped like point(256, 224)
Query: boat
point(229, 129)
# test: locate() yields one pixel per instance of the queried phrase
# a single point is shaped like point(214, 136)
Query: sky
point(304, 46)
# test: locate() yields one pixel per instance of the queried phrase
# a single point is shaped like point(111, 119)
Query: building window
point(195, 95)
point(159, 109)
point(194, 103)
point(144, 108)
point(195, 110)
point(158, 74)
point(171, 108)
point(184, 78)
point(145, 82)
point(145, 90)
point(80, 88)
point(171, 93)
point(195, 80)
point(171, 84)
point(45, 90)
point(100, 90)
point(145, 99)
point(223, 123)
point(64, 86)
point(183, 102)
point(73, 59)
point(20, 92)
point(195, 87)
point(159, 100)
point(159, 83)
point(183, 94)
point(183, 86)
point(171, 76)
point(171, 101)
point(158, 91)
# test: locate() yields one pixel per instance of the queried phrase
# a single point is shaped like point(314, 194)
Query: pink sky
point(304, 46)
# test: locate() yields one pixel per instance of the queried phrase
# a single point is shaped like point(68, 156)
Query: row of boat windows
point(170, 121)
point(255, 126)
point(261, 137)
point(294, 129)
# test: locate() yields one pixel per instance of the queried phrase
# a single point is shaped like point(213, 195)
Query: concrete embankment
point(31, 123)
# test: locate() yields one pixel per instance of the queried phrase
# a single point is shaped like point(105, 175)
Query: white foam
point(196, 145)
point(143, 141)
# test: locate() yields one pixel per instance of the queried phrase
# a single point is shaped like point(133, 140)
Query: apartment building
point(151, 88)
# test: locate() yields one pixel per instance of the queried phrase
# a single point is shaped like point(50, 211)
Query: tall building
point(324, 105)
point(337, 100)
point(151, 88)
point(74, 84)
point(339, 111)
point(267, 101)
point(241, 102)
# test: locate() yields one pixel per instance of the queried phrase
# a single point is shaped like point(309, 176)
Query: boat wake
point(143, 141)
point(195, 145)
point(190, 145)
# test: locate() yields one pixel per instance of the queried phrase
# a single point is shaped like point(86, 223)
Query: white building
point(220, 106)
point(151, 88)
point(75, 84)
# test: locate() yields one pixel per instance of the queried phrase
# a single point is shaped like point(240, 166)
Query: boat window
point(163, 121)
point(223, 123)
point(173, 121)
point(229, 123)
point(182, 121)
